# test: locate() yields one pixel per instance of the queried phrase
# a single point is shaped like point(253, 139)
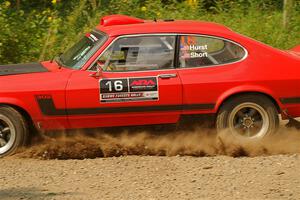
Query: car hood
point(26, 68)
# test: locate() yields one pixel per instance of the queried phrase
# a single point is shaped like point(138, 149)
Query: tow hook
point(292, 122)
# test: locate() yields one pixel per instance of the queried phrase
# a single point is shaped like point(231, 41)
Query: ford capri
point(130, 71)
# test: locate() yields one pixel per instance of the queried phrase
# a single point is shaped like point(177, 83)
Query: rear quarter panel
point(265, 70)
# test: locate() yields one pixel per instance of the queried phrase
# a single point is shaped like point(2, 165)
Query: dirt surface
point(142, 164)
point(140, 177)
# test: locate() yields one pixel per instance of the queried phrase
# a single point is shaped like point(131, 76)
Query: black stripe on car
point(48, 108)
point(290, 100)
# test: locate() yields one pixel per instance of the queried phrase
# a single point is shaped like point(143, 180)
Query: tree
point(287, 12)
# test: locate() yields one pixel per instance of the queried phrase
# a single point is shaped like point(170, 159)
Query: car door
point(138, 85)
point(207, 65)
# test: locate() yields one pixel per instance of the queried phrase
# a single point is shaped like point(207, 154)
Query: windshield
point(79, 53)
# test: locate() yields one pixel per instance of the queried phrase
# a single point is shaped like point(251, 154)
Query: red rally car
point(129, 71)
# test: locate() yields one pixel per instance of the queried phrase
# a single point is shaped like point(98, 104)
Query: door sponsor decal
point(129, 89)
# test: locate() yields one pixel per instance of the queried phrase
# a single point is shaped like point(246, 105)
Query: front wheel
point(248, 117)
point(13, 130)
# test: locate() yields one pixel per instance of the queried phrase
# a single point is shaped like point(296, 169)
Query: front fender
point(16, 102)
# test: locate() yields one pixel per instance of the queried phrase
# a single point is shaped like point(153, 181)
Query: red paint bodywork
point(265, 70)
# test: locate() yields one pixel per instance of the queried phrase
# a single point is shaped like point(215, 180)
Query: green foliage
point(38, 30)
point(22, 34)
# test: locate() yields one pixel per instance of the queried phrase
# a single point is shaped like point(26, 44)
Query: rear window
point(200, 51)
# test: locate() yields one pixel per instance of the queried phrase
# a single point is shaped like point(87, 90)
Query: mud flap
point(293, 124)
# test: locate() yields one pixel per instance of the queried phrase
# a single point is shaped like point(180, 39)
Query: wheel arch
point(232, 94)
point(21, 108)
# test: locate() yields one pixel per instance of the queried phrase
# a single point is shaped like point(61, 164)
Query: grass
point(36, 38)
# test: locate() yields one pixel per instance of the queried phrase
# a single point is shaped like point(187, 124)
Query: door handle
point(167, 76)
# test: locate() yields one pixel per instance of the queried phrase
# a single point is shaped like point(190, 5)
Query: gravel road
point(152, 177)
point(209, 168)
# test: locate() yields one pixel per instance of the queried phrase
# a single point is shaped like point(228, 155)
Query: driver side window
point(139, 53)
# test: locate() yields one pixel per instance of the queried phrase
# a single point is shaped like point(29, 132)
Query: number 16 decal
point(129, 89)
point(113, 85)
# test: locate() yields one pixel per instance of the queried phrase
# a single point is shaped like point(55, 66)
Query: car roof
point(176, 26)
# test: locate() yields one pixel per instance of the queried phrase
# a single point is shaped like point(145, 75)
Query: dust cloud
point(195, 141)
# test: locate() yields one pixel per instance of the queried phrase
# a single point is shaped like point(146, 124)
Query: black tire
point(233, 115)
point(13, 130)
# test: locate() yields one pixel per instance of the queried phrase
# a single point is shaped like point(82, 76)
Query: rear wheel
point(248, 117)
point(13, 130)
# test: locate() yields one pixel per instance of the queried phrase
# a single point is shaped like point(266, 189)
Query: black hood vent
point(26, 68)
